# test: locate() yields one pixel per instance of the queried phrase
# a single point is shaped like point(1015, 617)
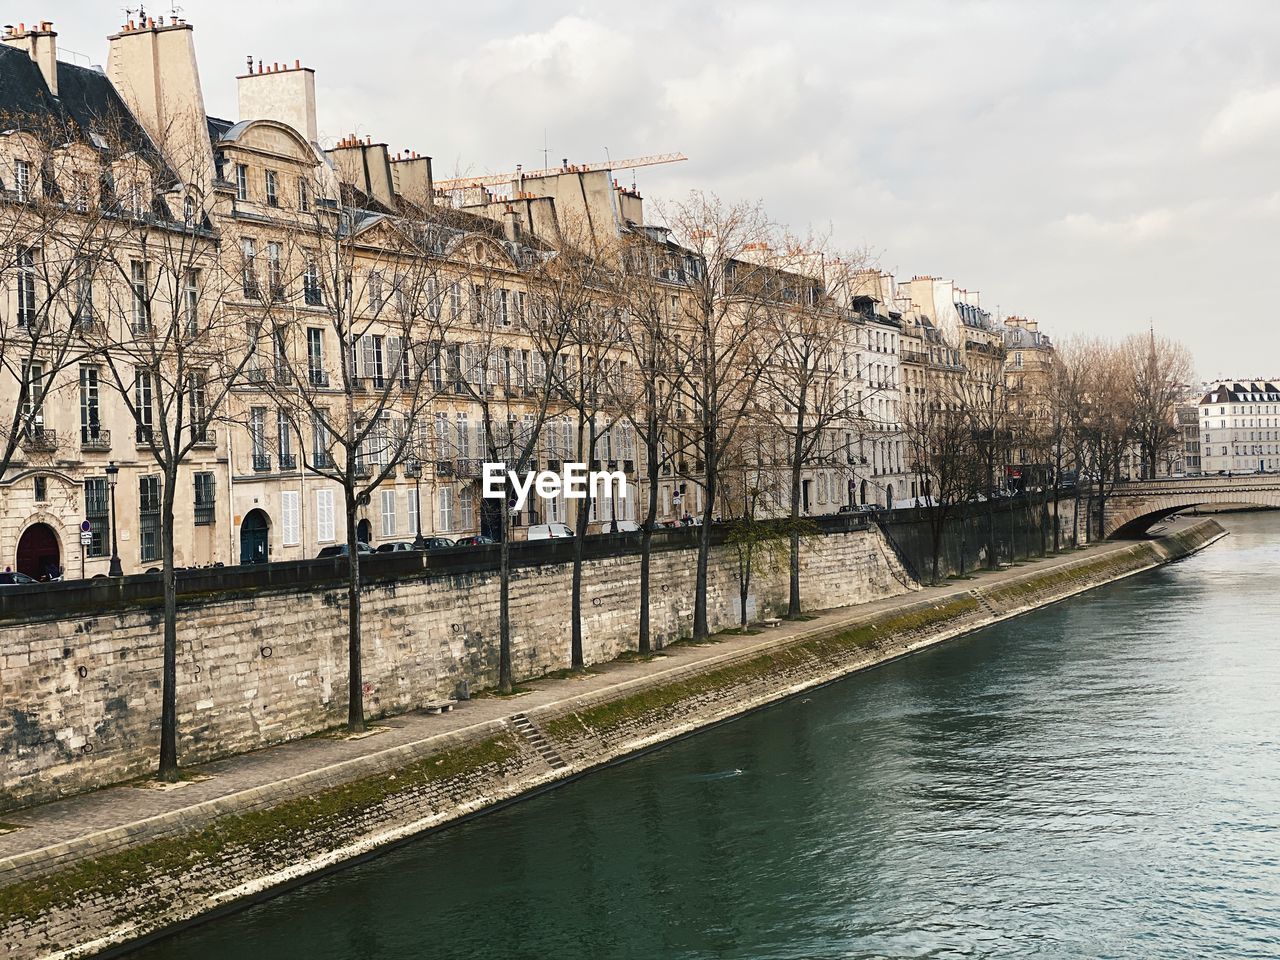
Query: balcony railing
point(95, 438)
point(321, 460)
point(363, 471)
point(318, 378)
point(204, 514)
point(444, 468)
point(205, 438)
point(288, 461)
point(467, 468)
point(39, 439)
point(261, 462)
point(412, 468)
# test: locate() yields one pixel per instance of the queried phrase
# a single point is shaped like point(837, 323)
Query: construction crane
point(494, 179)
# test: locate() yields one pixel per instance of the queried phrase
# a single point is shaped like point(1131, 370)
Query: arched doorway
point(862, 498)
point(39, 552)
point(255, 532)
point(888, 496)
point(364, 531)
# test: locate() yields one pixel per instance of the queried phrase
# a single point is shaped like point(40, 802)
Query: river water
point(1097, 779)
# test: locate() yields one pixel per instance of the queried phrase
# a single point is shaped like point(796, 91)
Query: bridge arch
point(1132, 508)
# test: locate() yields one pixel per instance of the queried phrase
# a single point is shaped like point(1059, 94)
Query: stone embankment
point(108, 886)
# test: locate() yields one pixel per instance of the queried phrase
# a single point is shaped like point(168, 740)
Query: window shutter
point(290, 518)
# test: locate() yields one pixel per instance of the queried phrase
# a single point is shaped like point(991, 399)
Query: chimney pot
point(297, 64)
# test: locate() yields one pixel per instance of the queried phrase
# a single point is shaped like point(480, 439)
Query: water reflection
point(1098, 779)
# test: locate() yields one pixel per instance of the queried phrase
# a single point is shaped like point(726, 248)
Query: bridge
point(1133, 507)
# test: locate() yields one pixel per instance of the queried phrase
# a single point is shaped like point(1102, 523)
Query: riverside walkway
point(58, 833)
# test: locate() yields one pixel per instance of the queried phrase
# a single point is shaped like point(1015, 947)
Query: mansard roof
point(87, 106)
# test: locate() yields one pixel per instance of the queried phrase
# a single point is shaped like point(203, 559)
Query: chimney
point(366, 166)
point(154, 69)
point(284, 94)
point(40, 43)
point(412, 179)
point(511, 224)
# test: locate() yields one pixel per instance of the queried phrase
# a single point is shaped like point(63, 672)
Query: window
point(319, 441)
point(1017, 359)
point(468, 507)
point(315, 357)
point(413, 512)
point(504, 306)
point(204, 499)
point(26, 286)
point(188, 211)
point(191, 301)
point(141, 300)
point(446, 509)
point(324, 516)
point(273, 189)
point(463, 446)
point(96, 512)
point(84, 292)
point(258, 436)
point(373, 359)
point(249, 250)
point(304, 196)
point(33, 391)
point(290, 518)
point(149, 518)
point(144, 405)
point(41, 489)
point(275, 272)
point(284, 433)
point(313, 292)
point(196, 409)
point(90, 413)
point(242, 182)
point(375, 292)
point(22, 180)
point(455, 300)
point(388, 513)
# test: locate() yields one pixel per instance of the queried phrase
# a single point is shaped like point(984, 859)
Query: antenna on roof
point(546, 162)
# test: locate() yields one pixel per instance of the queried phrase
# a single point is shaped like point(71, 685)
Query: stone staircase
point(526, 728)
point(984, 603)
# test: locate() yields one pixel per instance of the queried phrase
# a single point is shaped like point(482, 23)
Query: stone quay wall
point(139, 886)
point(80, 695)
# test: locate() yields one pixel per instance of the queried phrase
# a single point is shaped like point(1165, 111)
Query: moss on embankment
point(655, 701)
point(331, 814)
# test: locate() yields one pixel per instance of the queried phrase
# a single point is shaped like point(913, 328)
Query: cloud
point(1250, 118)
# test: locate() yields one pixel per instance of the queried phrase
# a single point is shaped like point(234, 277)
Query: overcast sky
point(1095, 165)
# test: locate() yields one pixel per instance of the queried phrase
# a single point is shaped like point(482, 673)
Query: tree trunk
point(701, 631)
point(586, 432)
point(169, 676)
point(646, 539)
point(744, 583)
point(355, 673)
point(797, 454)
point(505, 684)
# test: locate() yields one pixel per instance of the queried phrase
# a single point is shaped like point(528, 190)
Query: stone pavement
point(63, 830)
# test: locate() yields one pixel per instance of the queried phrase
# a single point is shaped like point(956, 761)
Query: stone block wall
point(80, 696)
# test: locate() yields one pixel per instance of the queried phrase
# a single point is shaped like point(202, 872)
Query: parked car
point(437, 543)
point(11, 578)
point(550, 531)
point(477, 540)
point(860, 509)
point(624, 526)
point(340, 550)
point(396, 547)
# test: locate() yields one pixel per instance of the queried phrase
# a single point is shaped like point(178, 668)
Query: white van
point(550, 531)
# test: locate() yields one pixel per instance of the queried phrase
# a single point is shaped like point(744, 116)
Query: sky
point(1099, 166)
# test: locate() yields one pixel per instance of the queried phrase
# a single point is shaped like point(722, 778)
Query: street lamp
point(419, 542)
point(115, 569)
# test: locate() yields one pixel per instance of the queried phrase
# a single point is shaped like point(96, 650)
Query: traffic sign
point(86, 539)
point(85, 526)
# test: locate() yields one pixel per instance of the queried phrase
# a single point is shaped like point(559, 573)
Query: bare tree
point(58, 222)
point(718, 340)
point(940, 440)
point(1160, 369)
point(1106, 419)
point(174, 354)
point(806, 387)
point(752, 483)
point(354, 325)
point(650, 301)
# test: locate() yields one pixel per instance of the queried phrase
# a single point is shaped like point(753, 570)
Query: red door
point(38, 552)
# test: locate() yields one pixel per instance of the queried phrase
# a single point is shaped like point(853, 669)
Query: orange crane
point(495, 179)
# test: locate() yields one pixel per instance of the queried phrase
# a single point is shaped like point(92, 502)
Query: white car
point(624, 526)
point(550, 531)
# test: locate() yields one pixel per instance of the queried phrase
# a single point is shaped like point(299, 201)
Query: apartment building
point(1240, 426)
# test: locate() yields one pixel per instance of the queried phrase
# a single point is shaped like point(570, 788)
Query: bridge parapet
point(1132, 507)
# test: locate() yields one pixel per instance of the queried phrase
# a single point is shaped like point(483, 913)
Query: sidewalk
point(64, 829)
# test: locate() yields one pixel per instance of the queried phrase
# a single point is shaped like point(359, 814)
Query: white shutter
point(290, 518)
point(368, 360)
point(324, 516)
point(413, 511)
point(388, 513)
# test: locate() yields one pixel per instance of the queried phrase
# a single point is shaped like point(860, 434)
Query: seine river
point(1097, 779)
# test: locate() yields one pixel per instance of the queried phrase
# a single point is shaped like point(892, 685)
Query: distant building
point(1240, 426)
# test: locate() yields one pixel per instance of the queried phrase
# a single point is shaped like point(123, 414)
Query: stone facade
point(80, 698)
